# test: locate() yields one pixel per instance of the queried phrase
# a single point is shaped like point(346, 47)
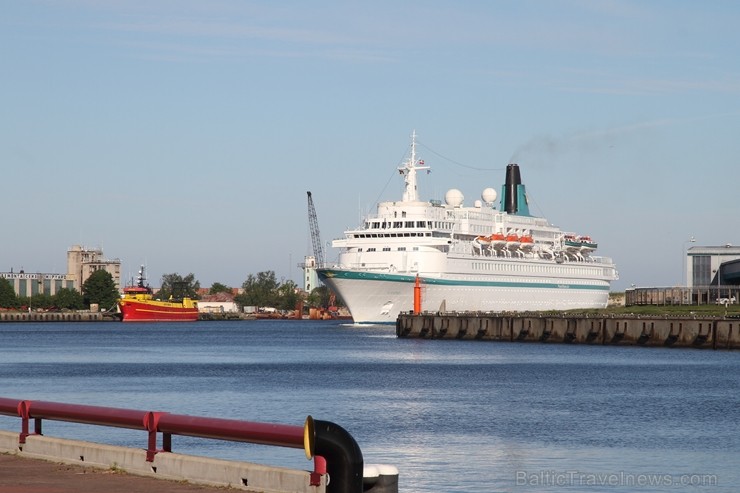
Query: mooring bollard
point(380, 478)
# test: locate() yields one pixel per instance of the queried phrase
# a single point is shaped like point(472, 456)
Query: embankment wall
point(53, 317)
point(679, 332)
point(242, 476)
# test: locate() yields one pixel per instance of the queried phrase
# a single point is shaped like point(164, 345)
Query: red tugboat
point(138, 305)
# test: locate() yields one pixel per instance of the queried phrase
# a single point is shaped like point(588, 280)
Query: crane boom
point(313, 222)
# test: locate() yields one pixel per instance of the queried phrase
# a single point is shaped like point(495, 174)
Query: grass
point(674, 310)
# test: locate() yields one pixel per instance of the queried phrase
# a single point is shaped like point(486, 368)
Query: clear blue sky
point(185, 134)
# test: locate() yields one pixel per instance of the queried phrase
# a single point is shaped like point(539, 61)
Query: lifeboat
point(483, 241)
point(512, 241)
point(498, 240)
point(587, 244)
point(571, 243)
point(526, 243)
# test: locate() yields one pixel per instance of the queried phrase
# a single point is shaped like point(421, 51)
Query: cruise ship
point(478, 258)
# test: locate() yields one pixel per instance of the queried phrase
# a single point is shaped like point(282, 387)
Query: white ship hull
point(467, 258)
point(379, 298)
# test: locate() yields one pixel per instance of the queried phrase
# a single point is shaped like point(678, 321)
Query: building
point(713, 266)
point(82, 262)
point(713, 276)
point(310, 277)
point(27, 284)
point(218, 303)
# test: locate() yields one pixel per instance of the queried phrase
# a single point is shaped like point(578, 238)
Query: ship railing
point(601, 260)
point(371, 267)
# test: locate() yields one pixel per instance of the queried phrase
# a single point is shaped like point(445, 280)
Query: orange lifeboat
point(512, 241)
point(498, 240)
point(526, 242)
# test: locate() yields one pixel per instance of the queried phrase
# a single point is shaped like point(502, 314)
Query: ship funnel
point(513, 180)
point(513, 196)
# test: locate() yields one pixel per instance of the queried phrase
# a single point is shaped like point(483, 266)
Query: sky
point(184, 134)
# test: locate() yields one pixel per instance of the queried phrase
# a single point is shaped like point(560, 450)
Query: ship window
point(371, 249)
point(420, 224)
point(401, 249)
point(403, 213)
point(398, 224)
point(386, 249)
point(409, 224)
point(416, 249)
point(359, 249)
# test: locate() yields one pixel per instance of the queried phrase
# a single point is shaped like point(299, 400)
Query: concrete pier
point(53, 317)
point(634, 330)
point(175, 467)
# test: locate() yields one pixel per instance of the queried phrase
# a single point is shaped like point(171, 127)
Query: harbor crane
point(318, 251)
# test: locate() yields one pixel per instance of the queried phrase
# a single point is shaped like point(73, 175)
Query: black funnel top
point(513, 180)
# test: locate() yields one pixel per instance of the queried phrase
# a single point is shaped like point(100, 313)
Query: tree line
point(260, 290)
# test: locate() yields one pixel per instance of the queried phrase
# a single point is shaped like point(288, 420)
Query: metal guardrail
point(320, 440)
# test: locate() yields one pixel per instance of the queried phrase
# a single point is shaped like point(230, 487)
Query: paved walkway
point(24, 475)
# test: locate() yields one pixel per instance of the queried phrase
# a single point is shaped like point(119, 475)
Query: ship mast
point(409, 169)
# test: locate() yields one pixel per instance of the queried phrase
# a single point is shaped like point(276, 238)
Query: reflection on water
point(453, 416)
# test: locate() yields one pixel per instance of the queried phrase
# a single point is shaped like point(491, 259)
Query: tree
point(176, 286)
point(69, 299)
point(40, 300)
point(260, 290)
point(320, 296)
point(217, 287)
point(100, 288)
point(8, 298)
point(287, 295)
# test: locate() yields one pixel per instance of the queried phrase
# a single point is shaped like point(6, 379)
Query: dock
point(66, 316)
point(20, 474)
point(332, 449)
point(622, 330)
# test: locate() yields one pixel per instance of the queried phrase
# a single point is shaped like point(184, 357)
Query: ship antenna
point(409, 169)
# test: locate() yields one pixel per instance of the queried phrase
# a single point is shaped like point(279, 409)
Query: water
point(453, 416)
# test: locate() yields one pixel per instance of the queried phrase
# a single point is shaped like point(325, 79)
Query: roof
point(727, 249)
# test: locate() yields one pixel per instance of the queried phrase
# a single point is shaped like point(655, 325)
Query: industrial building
point(712, 276)
point(81, 263)
point(713, 266)
point(27, 284)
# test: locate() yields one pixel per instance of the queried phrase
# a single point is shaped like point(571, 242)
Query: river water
point(452, 416)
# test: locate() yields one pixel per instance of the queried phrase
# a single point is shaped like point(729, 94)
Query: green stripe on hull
point(378, 276)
